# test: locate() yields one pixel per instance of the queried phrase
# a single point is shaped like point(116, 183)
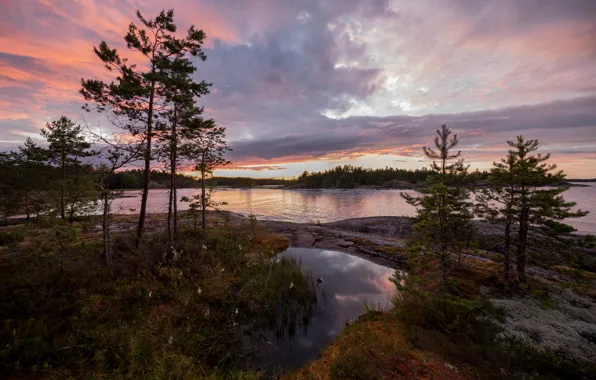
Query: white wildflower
point(199, 290)
point(234, 324)
point(171, 339)
point(222, 269)
point(291, 284)
point(150, 293)
point(236, 312)
point(239, 247)
point(204, 246)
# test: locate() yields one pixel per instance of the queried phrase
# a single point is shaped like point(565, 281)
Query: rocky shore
point(378, 239)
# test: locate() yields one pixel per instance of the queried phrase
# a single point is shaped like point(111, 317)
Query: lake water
point(327, 205)
point(348, 283)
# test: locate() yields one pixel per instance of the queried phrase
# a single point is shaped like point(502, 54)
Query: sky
point(308, 85)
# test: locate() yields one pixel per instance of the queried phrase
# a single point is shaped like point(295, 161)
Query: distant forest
point(581, 180)
point(133, 179)
point(349, 176)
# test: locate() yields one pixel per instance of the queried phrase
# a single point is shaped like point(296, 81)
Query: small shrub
point(11, 237)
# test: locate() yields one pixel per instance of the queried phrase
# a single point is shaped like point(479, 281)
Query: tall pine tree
point(535, 203)
point(444, 209)
point(497, 203)
point(179, 120)
point(135, 96)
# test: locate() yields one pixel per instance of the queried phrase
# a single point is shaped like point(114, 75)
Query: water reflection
point(348, 282)
point(326, 205)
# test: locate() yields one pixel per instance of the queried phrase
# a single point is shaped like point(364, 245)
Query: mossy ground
point(442, 333)
point(161, 312)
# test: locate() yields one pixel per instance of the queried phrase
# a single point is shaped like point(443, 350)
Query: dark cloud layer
point(318, 79)
point(574, 118)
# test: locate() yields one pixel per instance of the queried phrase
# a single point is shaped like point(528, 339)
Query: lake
point(328, 205)
point(348, 283)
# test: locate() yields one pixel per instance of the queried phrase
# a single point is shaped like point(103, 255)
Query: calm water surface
point(348, 283)
point(327, 205)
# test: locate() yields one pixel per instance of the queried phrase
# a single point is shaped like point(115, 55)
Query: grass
point(161, 313)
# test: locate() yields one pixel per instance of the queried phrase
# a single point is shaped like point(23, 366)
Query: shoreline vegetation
point(132, 180)
point(192, 295)
point(170, 286)
point(64, 314)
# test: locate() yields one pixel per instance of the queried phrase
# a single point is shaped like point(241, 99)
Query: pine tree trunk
point(174, 169)
point(106, 229)
point(203, 195)
point(506, 251)
point(27, 205)
point(521, 245)
point(62, 206)
point(170, 194)
point(147, 174)
point(175, 203)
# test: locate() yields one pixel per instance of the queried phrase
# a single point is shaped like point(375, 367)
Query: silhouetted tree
point(207, 149)
point(135, 96)
point(179, 119)
point(10, 197)
point(67, 145)
point(32, 159)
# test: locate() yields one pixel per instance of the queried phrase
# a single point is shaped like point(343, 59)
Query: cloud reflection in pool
point(348, 283)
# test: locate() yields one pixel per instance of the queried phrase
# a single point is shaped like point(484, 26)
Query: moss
point(157, 314)
point(390, 250)
point(376, 347)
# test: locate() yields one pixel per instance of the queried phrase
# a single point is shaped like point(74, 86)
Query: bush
point(471, 320)
point(10, 237)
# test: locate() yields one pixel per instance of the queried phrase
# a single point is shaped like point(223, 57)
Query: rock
point(304, 240)
point(345, 244)
point(327, 244)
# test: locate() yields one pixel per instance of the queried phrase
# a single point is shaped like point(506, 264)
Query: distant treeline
point(250, 182)
point(133, 179)
point(349, 176)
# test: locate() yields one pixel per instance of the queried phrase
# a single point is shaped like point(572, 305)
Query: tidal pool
point(344, 285)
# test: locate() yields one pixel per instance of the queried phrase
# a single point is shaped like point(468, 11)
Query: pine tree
point(10, 197)
point(444, 210)
point(207, 147)
point(536, 204)
point(178, 121)
point(67, 146)
point(116, 156)
point(497, 203)
point(32, 158)
point(135, 96)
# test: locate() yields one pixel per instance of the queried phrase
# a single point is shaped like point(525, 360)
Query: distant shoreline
point(410, 186)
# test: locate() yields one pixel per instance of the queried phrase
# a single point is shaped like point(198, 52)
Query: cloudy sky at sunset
point(307, 85)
